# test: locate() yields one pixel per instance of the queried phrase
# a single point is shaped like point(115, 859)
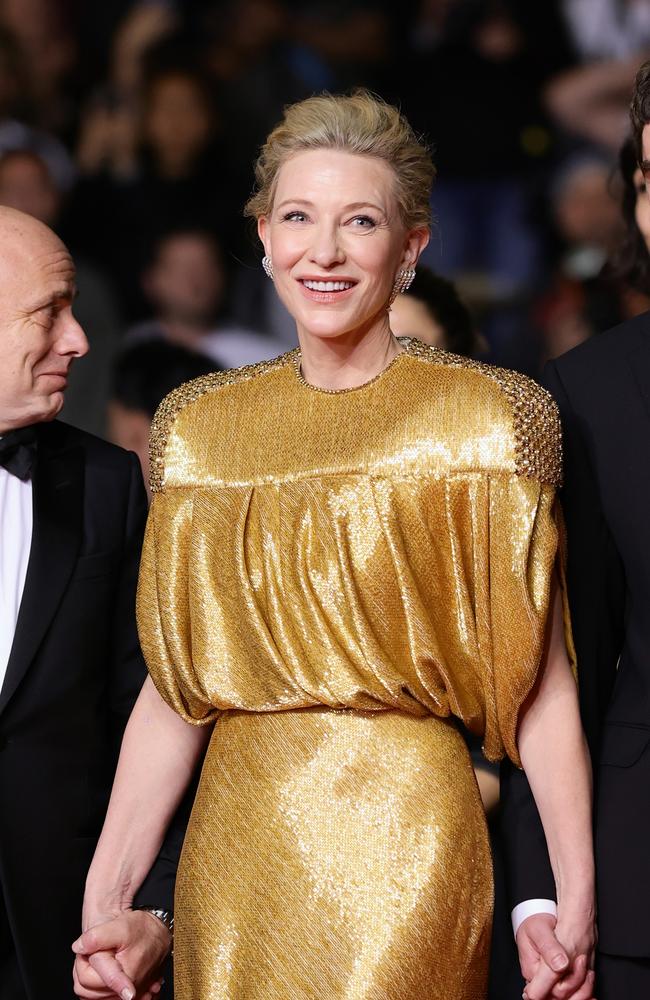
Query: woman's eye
point(363, 222)
point(295, 217)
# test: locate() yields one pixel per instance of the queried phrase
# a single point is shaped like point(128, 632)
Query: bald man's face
point(39, 336)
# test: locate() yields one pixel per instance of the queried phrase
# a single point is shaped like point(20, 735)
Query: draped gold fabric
point(332, 576)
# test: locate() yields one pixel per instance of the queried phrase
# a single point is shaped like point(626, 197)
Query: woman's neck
point(347, 361)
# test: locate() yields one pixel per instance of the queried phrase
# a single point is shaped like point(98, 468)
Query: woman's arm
point(122, 953)
point(159, 754)
point(556, 760)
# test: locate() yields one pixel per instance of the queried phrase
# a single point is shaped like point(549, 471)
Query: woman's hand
point(575, 930)
point(121, 958)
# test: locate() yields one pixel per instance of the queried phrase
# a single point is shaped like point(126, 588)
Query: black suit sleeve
point(128, 669)
point(595, 577)
point(596, 594)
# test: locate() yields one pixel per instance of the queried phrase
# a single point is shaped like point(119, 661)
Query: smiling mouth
point(326, 286)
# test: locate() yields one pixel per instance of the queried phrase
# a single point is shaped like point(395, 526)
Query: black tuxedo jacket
point(603, 391)
point(74, 672)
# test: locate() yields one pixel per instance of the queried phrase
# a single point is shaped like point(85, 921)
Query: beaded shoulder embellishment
point(536, 419)
point(188, 393)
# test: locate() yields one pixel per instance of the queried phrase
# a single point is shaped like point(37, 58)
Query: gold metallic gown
point(332, 576)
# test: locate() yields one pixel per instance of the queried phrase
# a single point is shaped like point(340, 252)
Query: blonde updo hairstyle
point(360, 123)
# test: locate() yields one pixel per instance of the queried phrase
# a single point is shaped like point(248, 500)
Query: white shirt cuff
point(528, 908)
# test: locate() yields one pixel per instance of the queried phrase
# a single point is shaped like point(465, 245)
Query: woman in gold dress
point(348, 548)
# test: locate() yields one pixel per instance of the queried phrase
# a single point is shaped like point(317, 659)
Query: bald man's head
point(39, 337)
point(23, 234)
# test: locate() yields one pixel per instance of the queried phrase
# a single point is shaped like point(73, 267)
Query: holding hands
point(121, 958)
point(556, 955)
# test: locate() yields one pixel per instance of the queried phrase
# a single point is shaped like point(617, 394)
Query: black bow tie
point(18, 451)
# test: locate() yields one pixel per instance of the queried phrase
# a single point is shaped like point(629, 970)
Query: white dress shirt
point(16, 520)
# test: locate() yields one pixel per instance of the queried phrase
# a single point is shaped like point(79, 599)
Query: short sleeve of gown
point(163, 607)
point(507, 544)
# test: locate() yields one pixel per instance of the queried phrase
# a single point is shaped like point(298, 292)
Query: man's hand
point(121, 958)
point(550, 969)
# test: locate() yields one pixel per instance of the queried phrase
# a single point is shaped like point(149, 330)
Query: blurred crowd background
point(132, 128)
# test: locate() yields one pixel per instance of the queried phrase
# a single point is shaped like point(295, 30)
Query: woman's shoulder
point(195, 406)
point(501, 397)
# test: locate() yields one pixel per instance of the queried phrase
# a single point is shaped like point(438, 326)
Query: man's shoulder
point(603, 350)
point(58, 436)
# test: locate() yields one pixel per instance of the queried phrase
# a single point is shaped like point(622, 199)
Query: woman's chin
point(329, 333)
point(329, 327)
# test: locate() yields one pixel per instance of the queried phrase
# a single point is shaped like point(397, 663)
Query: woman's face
point(642, 207)
point(336, 241)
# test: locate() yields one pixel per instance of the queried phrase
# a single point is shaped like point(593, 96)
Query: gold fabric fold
point(352, 592)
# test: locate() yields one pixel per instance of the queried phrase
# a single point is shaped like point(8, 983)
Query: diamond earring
point(268, 266)
point(404, 279)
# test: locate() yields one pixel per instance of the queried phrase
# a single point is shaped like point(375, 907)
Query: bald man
point(72, 512)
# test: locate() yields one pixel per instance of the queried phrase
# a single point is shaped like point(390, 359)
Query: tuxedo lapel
point(56, 537)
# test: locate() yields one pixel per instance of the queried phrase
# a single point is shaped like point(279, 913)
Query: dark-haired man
point(72, 511)
point(603, 391)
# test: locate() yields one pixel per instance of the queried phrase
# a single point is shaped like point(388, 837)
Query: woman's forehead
point(334, 173)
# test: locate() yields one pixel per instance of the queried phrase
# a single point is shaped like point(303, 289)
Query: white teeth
point(328, 286)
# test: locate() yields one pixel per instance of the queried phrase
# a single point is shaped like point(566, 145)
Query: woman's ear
point(416, 241)
point(263, 233)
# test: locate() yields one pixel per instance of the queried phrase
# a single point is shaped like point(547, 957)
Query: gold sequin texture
point(334, 577)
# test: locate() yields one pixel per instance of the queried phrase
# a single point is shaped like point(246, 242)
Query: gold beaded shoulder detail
point(536, 419)
point(188, 393)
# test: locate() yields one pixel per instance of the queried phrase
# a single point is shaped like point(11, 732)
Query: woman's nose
point(326, 249)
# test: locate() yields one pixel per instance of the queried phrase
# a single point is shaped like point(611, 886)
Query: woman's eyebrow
point(346, 208)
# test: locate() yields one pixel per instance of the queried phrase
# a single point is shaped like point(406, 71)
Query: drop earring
point(268, 266)
point(404, 279)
